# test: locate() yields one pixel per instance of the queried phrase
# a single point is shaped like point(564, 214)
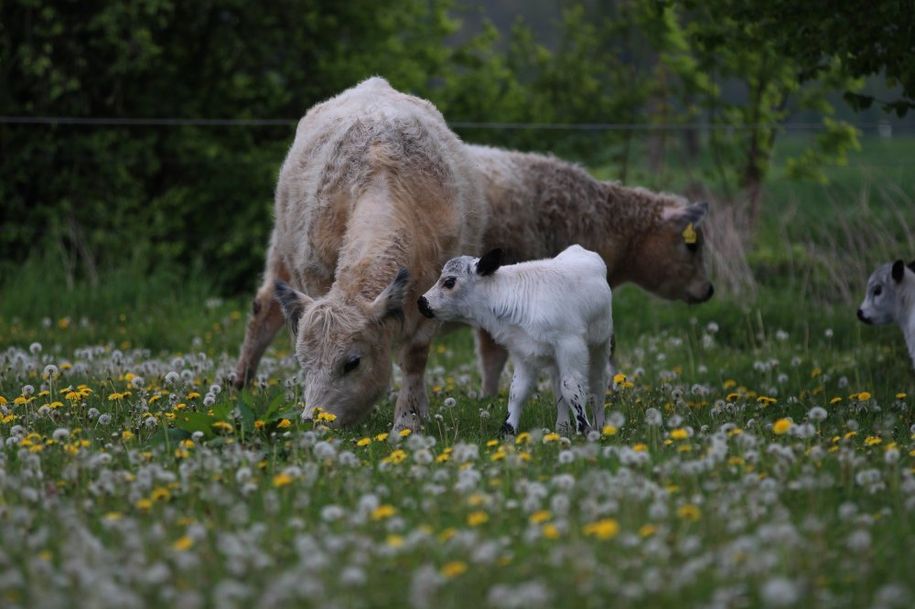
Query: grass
point(122, 484)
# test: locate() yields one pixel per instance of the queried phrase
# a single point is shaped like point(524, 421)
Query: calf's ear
point(898, 271)
point(292, 301)
point(390, 302)
point(490, 262)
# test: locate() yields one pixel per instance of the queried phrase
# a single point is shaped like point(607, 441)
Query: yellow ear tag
point(689, 234)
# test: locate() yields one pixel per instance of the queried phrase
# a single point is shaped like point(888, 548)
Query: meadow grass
point(759, 453)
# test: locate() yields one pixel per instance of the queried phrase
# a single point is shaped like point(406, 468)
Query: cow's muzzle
point(863, 317)
point(424, 307)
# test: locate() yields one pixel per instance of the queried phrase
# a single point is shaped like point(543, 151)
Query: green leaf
point(196, 421)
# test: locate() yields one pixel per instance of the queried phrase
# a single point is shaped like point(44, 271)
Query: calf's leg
point(572, 359)
point(562, 407)
point(491, 359)
point(522, 385)
point(598, 373)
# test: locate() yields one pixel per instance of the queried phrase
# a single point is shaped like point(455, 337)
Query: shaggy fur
point(890, 299)
point(374, 182)
point(539, 205)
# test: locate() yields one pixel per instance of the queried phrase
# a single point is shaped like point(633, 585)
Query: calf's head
point(343, 346)
point(882, 299)
point(456, 292)
point(669, 260)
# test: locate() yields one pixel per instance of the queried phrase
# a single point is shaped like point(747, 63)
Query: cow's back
point(344, 147)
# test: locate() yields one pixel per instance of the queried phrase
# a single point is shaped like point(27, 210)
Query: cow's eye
point(351, 364)
point(449, 283)
point(878, 290)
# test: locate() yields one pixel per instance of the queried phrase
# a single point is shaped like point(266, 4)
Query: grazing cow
point(554, 313)
point(375, 194)
point(890, 298)
point(540, 205)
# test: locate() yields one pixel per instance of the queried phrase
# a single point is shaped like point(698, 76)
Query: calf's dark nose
point(424, 307)
point(862, 317)
point(711, 291)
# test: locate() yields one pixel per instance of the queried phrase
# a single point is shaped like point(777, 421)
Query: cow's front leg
point(412, 406)
point(491, 359)
point(522, 385)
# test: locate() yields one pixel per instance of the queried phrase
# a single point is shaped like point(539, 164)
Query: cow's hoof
point(507, 430)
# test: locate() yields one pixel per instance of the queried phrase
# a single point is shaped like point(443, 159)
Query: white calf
point(554, 313)
point(890, 298)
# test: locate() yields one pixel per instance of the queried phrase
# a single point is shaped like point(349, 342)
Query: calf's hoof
point(507, 430)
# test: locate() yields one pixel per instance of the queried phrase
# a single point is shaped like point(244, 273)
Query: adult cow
point(374, 196)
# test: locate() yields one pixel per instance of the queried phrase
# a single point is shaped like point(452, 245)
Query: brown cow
point(374, 196)
point(539, 205)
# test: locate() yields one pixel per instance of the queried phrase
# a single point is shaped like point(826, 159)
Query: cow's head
point(454, 295)
point(343, 346)
point(882, 299)
point(669, 261)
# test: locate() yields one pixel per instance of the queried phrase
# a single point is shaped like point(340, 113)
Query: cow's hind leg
point(562, 407)
point(572, 359)
point(264, 322)
point(491, 359)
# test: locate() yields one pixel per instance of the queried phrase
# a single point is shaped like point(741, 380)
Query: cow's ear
point(898, 271)
point(293, 303)
point(490, 262)
point(681, 217)
point(390, 302)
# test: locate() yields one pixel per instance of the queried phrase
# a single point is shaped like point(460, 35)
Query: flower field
point(774, 474)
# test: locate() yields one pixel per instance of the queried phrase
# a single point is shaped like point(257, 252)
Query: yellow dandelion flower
point(647, 530)
point(396, 456)
point(260, 424)
point(835, 400)
point(550, 531)
point(608, 430)
point(689, 511)
point(143, 504)
point(3, 401)
point(383, 512)
point(223, 426)
point(183, 544)
point(781, 426)
point(899, 396)
point(454, 568)
point(20, 400)
point(284, 423)
point(540, 516)
point(679, 434)
point(282, 479)
point(491, 443)
point(873, 440)
point(729, 384)
point(113, 516)
point(403, 433)
point(127, 435)
point(326, 417)
point(605, 528)
point(160, 493)
point(766, 400)
point(523, 438)
point(442, 457)
point(381, 437)
point(640, 447)
point(863, 396)
point(619, 378)
point(477, 518)
point(112, 397)
point(551, 437)
point(364, 441)
point(395, 541)
point(447, 534)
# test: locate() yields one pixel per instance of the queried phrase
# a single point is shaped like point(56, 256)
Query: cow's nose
point(424, 307)
point(862, 317)
point(711, 291)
